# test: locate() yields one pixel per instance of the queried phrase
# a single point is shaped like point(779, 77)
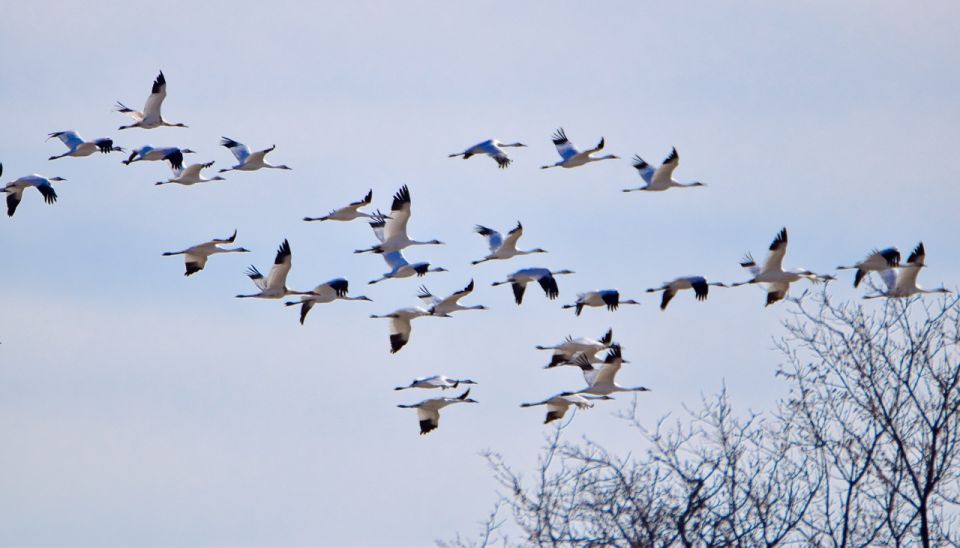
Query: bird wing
point(13, 200)
point(518, 290)
point(159, 91)
point(400, 328)
point(192, 171)
point(175, 157)
point(360, 203)
point(395, 260)
point(556, 410)
point(239, 150)
point(917, 256)
point(778, 248)
point(46, 189)
point(494, 238)
point(645, 170)
point(277, 279)
point(668, 294)
point(429, 419)
point(889, 277)
point(513, 236)
point(564, 147)
point(664, 173)
point(194, 262)
point(606, 374)
point(68, 138)
point(549, 285)
point(428, 298)
point(230, 240)
point(339, 286)
point(256, 277)
point(377, 224)
point(907, 279)
point(776, 292)
point(700, 287)
point(396, 225)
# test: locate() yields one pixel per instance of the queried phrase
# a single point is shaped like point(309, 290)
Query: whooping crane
point(392, 231)
point(273, 286)
point(492, 148)
point(571, 157)
point(195, 257)
point(78, 147)
point(772, 274)
point(877, 261)
point(326, 292)
point(568, 350)
point(661, 178)
point(904, 284)
point(428, 411)
point(349, 212)
point(149, 153)
point(697, 283)
point(545, 277)
point(150, 117)
point(557, 405)
point(436, 381)
point(400, 325)
point(191, 176)
point(602, 381)
point(609, 298)
point(400, 268)
point(443, 307)
point(503, 248)
point(14, 189)
point(246, 160)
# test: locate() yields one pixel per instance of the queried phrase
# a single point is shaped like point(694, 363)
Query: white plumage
point(660, 179)
point(149, 117)
point(492, 148)
point(571, 157)
point(78, 147)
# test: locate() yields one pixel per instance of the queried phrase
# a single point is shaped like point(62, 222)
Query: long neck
point(598, 158)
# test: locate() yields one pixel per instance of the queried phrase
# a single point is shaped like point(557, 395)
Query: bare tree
point(864, 451)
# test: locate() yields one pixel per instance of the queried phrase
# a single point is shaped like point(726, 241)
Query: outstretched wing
point(564, 147)
point(366, 200)
point(277, 278)
point(549, 285)
point(396, 225)
point(49, 195)
point(646, 170)
point(151, 110)
point(494, 239)
point(239, 150)
point(664, 173)
point(513, 236)
point(778, 248)
point(68, 138)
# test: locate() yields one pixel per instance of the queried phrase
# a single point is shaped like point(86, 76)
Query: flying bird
point(191, 176)
point(400, 325)
point(661, 178)
point(503, 248)
point(78, 147)
point(273, 286)
point(772, 273)
point(443, 307)
point(519, 280)
point(571, 157)
point(904, 283)
point(428, 411)
point(400, 268)
point(392, 231)
point(149, 153)
point(568, 350)
point(557, 405)
point(602, 381)
point(14, 189)
point(245, 160)
point(442, 382)
point(492, 148)
point(348, 212)
point(150, 117)
point(698, 283)
point(326, 292)
point(609, 298)
point(876, 261)
point(195, 257)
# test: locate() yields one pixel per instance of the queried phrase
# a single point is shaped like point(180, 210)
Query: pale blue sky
point(141, 407)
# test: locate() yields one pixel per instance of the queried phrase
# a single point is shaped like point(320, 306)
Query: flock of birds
point(391, 240)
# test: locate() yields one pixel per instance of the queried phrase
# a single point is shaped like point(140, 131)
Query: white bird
point(567, 351)
point(149, 153)
point(78, 147)
point(191, 176)
point(326, 292)
point(436, 381)
point(698, 283)
point(904, 284)
point(246, 160)
point(273, 286)
point(877, 261)
point(571, 157)
point(443, 307)
point(492, 148)
point(195, 257)
point(661, 178)
point(557, 405)
point(602, 381)
point(609, 298)
point(349, 212)
point(772, 274)
point(428, 411)
point(519, 280)
point(503, 248)
point(150, 117)
point(14, 189)
point(400, 325)
point(400, 268)
point(392, 230)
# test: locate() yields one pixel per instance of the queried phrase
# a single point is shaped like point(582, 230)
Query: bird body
point(602, 381)
point(571, 157)
point(400, 325)
point(698, 283)
point(348, 212)
point(428, 411)
point(150, 153)
point(545, 277)
point(149, 117)
point(609, 298)
point(326, 292)
point(877, 261)
point(660, 179)
point(772, 273)
point(448, 305)
point(195, 257)
point(247, 161)
point(570, 349)
point(558, 404)
point(14, 189)
point(503, 248)
point(400, 268)
point(78, 147)
point(904, 283)
point(492, 148)
point(191, 176)
point(442, 382)
point(392, 231)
